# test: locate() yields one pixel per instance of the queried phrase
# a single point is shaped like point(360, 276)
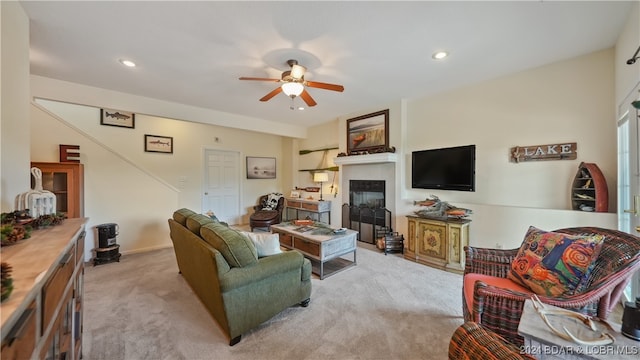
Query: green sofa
point(239, 289)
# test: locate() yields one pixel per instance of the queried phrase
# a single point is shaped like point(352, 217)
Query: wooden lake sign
point(562, 151)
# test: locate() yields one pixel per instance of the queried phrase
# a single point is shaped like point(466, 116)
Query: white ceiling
point(194, 52)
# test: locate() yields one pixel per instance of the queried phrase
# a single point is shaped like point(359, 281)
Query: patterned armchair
point(497, 302)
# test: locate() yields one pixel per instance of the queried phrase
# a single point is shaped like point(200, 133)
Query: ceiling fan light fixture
point(292, 88)
point(440, 55)
point(127, 63)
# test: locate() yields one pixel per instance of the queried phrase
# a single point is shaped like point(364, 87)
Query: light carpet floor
point(386, 307)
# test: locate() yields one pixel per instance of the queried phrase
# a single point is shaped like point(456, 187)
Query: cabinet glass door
point(57, 183)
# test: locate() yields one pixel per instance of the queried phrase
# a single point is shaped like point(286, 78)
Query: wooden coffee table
point(322, 250)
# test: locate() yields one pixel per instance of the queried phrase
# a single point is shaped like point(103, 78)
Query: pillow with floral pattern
point(555, 264)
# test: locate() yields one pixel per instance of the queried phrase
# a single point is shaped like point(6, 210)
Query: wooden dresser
point(437, 243)
point(42, 319)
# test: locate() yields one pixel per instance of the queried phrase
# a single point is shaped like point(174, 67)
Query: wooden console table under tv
point(437, 242)
point(322, 250)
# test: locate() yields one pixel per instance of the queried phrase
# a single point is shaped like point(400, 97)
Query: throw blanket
point(272, 201)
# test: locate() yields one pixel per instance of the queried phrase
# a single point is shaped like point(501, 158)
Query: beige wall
point(567, 101)
point(14, 95)
point(139, 190)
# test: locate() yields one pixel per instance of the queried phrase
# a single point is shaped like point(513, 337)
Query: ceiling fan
point(293, 84)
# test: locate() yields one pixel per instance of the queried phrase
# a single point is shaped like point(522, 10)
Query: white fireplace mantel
point(385, 157)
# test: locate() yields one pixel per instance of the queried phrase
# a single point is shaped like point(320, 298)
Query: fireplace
point(377, 172)
point(366, 200)
point(366, 209)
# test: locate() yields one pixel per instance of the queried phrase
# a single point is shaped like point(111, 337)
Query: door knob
point(638, 228)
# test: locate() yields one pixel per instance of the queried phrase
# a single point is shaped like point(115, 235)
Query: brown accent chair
point(499, 309)
point(265, 218)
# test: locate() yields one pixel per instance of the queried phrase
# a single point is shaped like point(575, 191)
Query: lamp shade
point(320, 177)
point(292, 88)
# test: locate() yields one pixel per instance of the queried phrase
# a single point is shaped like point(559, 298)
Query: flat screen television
point(451, 168)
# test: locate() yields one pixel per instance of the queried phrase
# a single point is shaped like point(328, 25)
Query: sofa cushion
point(266, 244)
point(196, 221)
point(236, 248)
point(553, 263)
point(181, 215)
point(469, 282)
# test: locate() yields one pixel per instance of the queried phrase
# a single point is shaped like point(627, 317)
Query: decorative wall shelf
point(330, 168)
point(386, 157)
point(589, 189)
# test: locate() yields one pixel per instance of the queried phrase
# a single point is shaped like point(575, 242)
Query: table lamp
point(320, 177)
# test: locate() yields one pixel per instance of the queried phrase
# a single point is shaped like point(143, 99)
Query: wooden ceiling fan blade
point(307, 98)
point(275, 92)
point(258, 79)
point(325, 86)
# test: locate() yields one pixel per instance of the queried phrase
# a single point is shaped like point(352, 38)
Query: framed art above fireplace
point(368, 133)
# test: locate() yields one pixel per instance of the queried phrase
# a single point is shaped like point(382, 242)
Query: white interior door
point(221, 193)
point(629, 178)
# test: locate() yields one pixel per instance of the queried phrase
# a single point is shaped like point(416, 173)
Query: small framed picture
point(156, 143)
point(294, 194)
point(261, 167)
point(117, 118)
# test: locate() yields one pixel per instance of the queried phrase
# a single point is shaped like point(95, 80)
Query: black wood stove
point(108, 250)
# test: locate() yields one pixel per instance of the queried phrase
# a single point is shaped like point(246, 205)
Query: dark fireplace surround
point(366, 209)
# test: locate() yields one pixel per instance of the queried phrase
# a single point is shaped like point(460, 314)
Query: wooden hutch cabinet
point(437, 243)
point(66, 181)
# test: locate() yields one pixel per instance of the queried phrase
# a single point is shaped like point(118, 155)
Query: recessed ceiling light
point(440, 55)
point(128, 63)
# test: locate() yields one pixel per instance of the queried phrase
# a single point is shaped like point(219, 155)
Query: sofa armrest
point(265, 268)
point(493, 262)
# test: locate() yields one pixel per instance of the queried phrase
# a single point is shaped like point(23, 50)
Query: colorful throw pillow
point(555, 264)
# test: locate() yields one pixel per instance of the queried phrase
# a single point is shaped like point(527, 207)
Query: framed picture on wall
point(156, 143)
point(117, 118)
point(261, 167)
point(368, 133)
